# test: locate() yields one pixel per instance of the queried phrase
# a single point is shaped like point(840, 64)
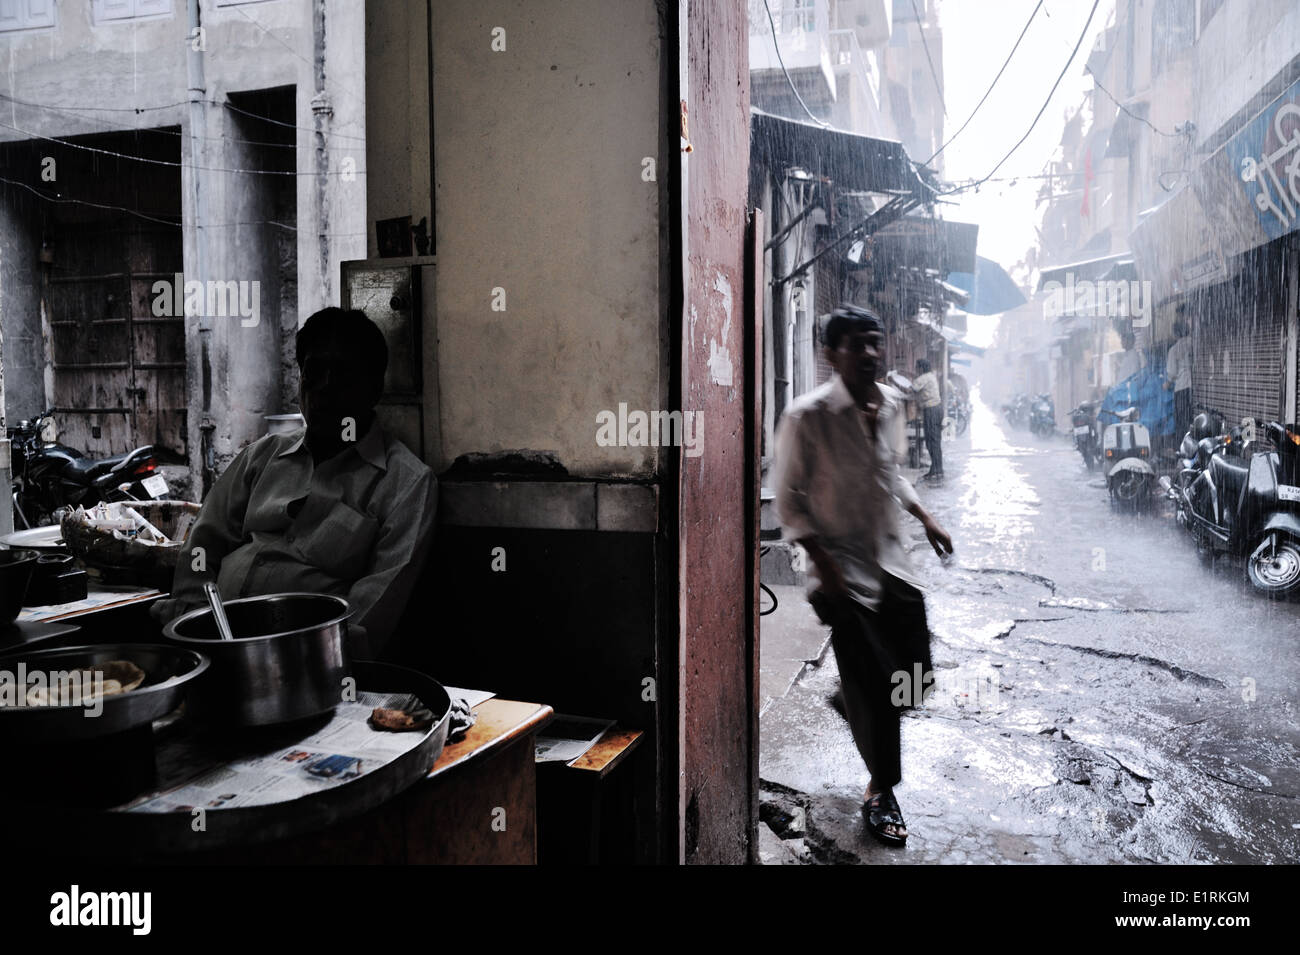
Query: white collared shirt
point(836, 483)
point(358, 526)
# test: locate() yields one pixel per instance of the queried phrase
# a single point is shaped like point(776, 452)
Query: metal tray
point(168, 673)
point(63, 830)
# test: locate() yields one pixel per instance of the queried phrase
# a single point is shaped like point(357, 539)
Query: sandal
point(882, 810)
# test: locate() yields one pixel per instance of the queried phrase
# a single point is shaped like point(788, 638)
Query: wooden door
point(119, 370)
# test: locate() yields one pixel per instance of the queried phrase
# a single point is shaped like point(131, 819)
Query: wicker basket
point(128, 560)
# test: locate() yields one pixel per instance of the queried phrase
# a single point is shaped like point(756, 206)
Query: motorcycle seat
point(87, 468)
point(1229, 477)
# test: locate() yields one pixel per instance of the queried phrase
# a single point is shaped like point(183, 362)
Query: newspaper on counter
point(566, 738)
point(344, 749)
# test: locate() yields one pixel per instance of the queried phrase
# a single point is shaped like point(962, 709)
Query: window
point(25, 15)
point(107, 11)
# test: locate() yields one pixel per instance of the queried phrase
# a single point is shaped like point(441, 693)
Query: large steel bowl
point(168, 673)
point(16, 568)
point(287, 662)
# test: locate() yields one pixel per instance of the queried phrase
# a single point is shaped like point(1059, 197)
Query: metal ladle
point(218, 610)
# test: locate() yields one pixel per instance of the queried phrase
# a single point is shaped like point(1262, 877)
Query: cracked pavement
point(1101, 696)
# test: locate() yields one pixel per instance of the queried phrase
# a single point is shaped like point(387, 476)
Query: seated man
point(339, 508)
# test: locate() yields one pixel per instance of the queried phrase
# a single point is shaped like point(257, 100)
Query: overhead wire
point(777, 46)
point(177, 165)
point(1043, 109)
point(110, 128)
point(991, 85)
point(920, 27)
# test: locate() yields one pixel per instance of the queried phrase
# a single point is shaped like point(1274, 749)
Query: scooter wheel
point(1275, 571)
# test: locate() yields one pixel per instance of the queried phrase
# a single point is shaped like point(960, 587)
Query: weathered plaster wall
point(20, 318)
point(91, 71)
point(538, 152)
point(718, 781)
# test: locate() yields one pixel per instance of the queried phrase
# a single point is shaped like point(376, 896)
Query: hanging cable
point(85, 202)
point(1020, 142)
point(777, 46)
point(108, 127)
point(920, 28)
point(991, 85)
point(176, 165)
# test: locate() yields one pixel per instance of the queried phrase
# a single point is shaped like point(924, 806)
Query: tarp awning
point(847, 159)
point(1091, 269)
point(926, 242)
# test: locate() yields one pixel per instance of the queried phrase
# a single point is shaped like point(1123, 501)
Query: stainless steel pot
point(288, 660)
point(170, 672)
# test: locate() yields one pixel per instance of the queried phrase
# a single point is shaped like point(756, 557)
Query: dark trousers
point(885, 668)
point(933, 420)
point(1182, 412)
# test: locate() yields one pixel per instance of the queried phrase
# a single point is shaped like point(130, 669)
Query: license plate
point(1288, 492)
point(155, 486)
point(1082, 429)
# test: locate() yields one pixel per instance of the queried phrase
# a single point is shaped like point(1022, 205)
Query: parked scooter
point(1126, 449)
point(1087, 432)
point(48, 475)
point(1042, 416)
point(1016, 411)
point(1245, 504)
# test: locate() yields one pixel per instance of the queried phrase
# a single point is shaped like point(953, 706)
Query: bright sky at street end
point(977, 35)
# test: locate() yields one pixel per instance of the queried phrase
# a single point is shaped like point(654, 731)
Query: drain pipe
point(198, 122)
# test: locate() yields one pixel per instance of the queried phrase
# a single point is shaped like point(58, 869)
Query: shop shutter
point(1238, 366)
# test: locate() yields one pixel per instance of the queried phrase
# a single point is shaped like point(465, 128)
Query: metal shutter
point(1238, 367)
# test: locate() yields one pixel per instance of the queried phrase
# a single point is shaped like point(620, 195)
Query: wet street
point(1101, 695)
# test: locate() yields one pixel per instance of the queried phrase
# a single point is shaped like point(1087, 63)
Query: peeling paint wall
point(716, 795)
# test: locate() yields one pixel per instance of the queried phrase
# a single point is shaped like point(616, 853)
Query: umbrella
point(991, 290)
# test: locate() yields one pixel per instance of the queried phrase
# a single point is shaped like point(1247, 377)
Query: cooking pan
point(287, 662)
point(169, 672)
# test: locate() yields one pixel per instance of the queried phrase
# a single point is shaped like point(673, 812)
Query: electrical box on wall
point(398, 296)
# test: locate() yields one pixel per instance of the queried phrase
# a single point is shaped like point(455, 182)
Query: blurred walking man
point(838, 493)
point(926, 390)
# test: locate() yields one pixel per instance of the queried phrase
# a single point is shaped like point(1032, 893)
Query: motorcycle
point(1042, 416)
point(48, 475)
point(1087, 439)
point(1016, 411)
point(958, 417)
point(1244, 500)
point(1126, 449)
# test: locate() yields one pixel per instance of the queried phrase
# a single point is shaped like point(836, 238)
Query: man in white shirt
point(1178, 374)
point(925, 389)
point(1132, 361)
point(838, 493)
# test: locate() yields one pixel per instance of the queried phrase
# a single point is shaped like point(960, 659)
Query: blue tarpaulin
point(1146, 390)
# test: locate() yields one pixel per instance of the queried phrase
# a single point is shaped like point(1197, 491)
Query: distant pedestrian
point(1132, 361)
point(1178, 374)
point(838, 491)
point(925, 388)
